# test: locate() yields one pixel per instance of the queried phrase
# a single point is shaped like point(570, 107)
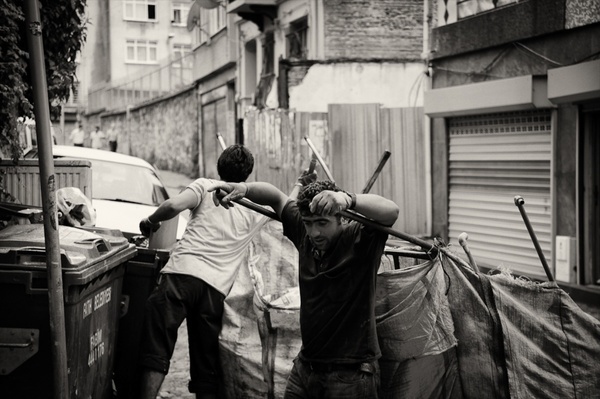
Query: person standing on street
point(97, 137)
point(198, 276)
point(77, 136)
point(338, 265)
point(113, 136)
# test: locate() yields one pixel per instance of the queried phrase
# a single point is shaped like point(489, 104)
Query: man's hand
point(330, 203)
point(225, 193)
point(147, 227)
point(307, 177)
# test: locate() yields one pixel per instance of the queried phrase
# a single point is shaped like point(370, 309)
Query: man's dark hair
point(310, 191)
point(235, 164)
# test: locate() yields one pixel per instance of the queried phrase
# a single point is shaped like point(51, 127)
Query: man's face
point(322, 230)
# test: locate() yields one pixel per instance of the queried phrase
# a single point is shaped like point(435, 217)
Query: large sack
point(521, 339)
point(416, 333)
point(261, 334)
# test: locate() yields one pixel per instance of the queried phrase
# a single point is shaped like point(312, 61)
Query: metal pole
point(462, 240)
point(48, 187)
point(520, 202)
point(321, 161)
point(382, 161)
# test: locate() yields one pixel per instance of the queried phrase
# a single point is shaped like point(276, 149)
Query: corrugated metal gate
point(492, 158)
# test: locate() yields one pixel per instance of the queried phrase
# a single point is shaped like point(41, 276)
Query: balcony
point(254, 10)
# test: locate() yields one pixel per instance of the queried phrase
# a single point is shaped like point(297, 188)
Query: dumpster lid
point(24, 246)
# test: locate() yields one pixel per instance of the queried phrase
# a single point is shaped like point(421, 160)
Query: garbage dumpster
point(93, 266)
point(140, 278)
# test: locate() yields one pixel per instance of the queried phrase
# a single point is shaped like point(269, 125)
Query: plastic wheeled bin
point(93, 266)
point(140, 278)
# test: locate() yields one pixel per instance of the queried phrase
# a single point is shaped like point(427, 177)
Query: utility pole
point(48, 186)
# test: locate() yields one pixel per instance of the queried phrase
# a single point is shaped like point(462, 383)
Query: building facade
point(515, 109)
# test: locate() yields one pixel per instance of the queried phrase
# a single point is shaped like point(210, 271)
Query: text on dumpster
point(97, 301)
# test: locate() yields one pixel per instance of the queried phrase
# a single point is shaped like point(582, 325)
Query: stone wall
point(164, 132)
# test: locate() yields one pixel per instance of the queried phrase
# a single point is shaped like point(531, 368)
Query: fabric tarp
point(445, 331)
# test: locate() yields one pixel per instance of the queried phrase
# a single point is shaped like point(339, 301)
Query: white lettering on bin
point(96, 347)
point(100, 299)
point(87, 308)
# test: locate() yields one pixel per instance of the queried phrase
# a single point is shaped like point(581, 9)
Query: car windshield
point(127, 183)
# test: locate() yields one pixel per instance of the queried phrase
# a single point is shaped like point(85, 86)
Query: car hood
point(126, 217)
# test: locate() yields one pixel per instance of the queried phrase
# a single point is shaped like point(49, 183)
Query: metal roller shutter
point(492, 158)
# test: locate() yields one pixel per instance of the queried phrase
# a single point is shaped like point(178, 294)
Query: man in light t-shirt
point(97, 137)
point(198, 276)
point(77, 136)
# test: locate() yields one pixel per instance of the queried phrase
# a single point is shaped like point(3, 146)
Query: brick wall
point(373, 29)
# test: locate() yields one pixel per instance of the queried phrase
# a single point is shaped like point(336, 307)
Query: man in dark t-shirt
point(338, 269)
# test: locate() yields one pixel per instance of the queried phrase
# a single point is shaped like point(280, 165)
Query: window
point(141, 51)
point(140, 10)
point(297, 40)
point(212, 21)
point(179, 14)
point(467, 8)
point(180, 56)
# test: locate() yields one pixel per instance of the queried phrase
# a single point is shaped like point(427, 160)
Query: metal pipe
point(520, 202)
point(382, 162)
point(58, 346)
point(321, 161)
point(462, 240)
point(221, 141)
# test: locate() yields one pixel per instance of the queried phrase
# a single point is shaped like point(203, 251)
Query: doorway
point(589, 202)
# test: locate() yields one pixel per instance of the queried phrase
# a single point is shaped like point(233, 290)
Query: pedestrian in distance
point(77, 136)
point(113, 137)
point(338, 265)
point(200, 272)
point(97, 137)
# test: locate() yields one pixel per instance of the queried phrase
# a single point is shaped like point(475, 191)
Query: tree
point(63, 33)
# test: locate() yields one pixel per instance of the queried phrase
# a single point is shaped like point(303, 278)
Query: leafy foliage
point(63, 35)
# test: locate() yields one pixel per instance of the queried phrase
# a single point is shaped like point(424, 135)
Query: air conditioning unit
point(566, 259)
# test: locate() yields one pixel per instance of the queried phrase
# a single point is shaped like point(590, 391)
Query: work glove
point(307, 177)
point(330, 203)
point(147, 227)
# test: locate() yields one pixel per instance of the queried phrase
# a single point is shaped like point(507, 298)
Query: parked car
point(125, 189)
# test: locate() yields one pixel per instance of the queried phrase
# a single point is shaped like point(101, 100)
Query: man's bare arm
point(258, 192)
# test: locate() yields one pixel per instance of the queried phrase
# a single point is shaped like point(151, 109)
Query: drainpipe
point(128, 124)
point(58, 340)
point(427, 16)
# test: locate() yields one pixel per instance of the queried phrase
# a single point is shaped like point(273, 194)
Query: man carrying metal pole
point(338, 265)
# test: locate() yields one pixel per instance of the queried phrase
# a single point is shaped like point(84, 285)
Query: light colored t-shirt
point(97, 139)
point(112, 134)
point(215, 242)
point(77, 136)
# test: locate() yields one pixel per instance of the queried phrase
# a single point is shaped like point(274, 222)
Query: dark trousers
point(113, 146)
point(178, 297)
point(360, 381)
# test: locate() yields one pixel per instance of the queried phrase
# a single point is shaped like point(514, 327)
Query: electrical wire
point(521, 46)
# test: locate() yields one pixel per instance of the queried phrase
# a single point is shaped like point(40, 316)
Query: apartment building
point(136, 50)
point(515, 110)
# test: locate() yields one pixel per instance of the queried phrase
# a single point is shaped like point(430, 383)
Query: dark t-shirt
point(337, 292)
